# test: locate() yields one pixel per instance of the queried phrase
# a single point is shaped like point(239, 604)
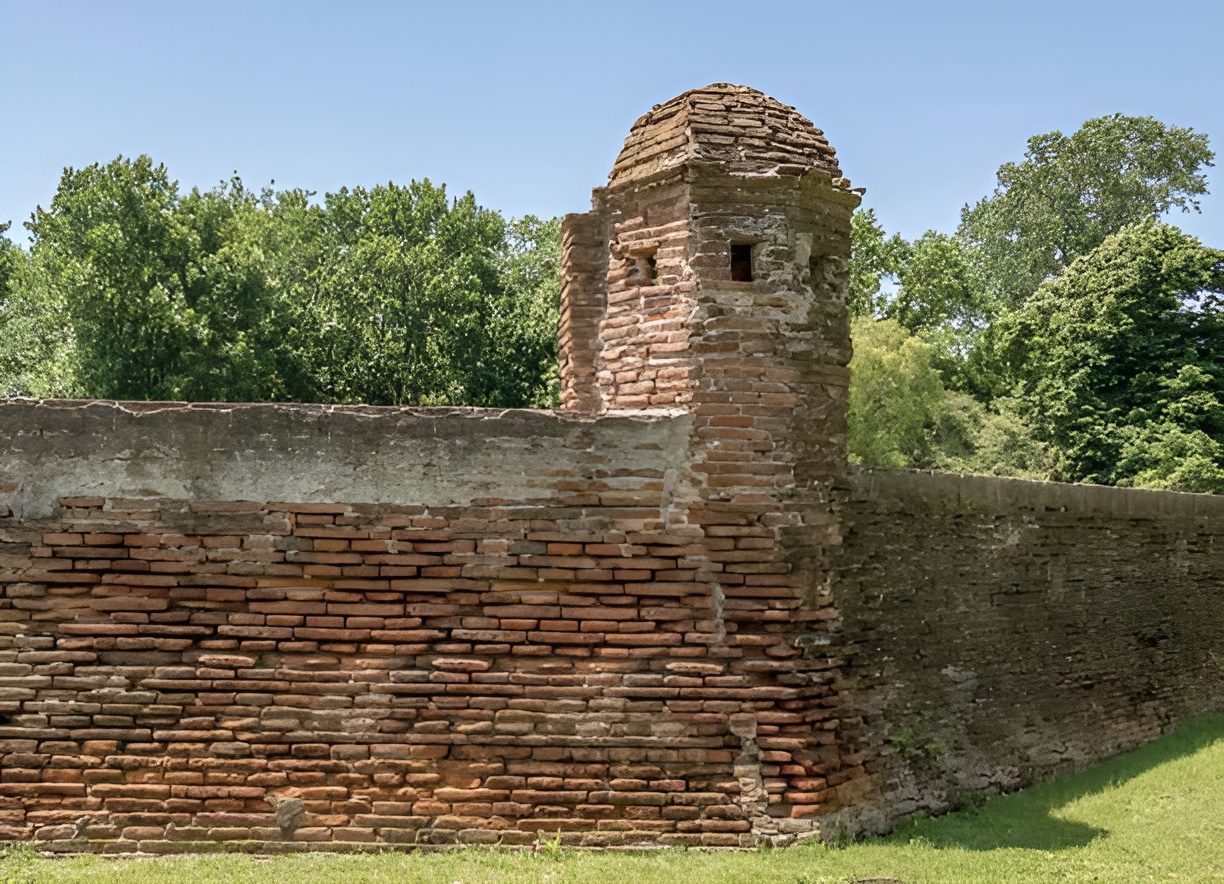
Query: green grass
point(1156, 814)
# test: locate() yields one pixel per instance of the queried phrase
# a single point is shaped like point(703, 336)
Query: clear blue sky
point(527, 103)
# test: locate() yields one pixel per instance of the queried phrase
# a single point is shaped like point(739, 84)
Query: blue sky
point(527, 104)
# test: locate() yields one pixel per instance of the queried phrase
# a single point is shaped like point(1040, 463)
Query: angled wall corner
point(711, 280)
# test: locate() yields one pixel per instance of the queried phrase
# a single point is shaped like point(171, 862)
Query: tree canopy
point(1072, 334)
point(1069, 193)
point(10, 256)
point(1126, 345)
point(875, 259)
point(393, 295)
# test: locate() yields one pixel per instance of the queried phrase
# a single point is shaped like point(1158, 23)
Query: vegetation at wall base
point(1152, 814)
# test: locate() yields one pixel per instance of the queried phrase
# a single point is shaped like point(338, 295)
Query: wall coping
point(936, 490)
point(319, 453)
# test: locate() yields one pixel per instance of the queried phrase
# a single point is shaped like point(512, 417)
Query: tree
point(395, 295)
point(902, 417)
point(875, 258)
point(895, 395)
point(167, 296)
point(112, 247)
point(1070, 193)
point(246, 256)
point(1168, 456)
point(524, 328)
point(939, 288)
point(35, 343)
point(930, 286)
point(942, 299)
point(409, 294)
point(10, 256)
point(1125, 348)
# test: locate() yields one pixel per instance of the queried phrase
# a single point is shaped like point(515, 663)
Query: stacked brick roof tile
point(735, 126)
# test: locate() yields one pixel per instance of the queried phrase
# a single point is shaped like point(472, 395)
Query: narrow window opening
point(741, 262)
point(643, 270)
point(814, 272)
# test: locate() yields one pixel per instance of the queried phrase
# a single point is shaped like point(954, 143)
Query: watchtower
point(710, 277)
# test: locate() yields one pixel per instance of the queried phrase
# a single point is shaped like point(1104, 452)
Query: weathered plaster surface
point(315, 453)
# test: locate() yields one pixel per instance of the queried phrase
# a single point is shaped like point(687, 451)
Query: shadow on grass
point(1025, 819)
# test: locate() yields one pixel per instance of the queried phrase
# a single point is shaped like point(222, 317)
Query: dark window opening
point(814, 272)
point(741, 262)
point(643, 270)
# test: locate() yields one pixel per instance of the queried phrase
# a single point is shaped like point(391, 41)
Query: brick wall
point(661, 615)
point(466, 668)
point(464, 625)
point(1004, 632)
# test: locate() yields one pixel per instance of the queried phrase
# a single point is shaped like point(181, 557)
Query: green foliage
point(166, 296)
point(1070, 193)
point(902, 416)
point(930, 286)
point(35, 341)
point(874, 259)
point(1169, 456)
point(895, 395)
point(110, 249)
point(1118, 362)
point(394, 295)
point(246, 253)
point(524, 334)
point(1071, 336)
point(942, 298)
point(425, 300)
point(402, 295)
point(939, 287)
point(550, 848)
point(10, 258)
point(992, 441)
point(915, 744)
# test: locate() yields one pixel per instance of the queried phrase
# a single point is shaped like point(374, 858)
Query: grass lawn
point(1156, 814)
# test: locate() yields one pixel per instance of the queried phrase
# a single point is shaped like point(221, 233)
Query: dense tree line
point(394, 295)
point(1062, 331)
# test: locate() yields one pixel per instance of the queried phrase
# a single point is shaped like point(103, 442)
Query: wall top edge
point(320, 453)
point(939, 491)
point(131, 408)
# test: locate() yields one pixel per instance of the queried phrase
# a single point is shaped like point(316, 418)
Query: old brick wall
point(463, 667)
point(1004, 632)
point(296, 625)
point(664, 614)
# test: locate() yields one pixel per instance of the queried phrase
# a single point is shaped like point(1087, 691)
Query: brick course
point(411, 676)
